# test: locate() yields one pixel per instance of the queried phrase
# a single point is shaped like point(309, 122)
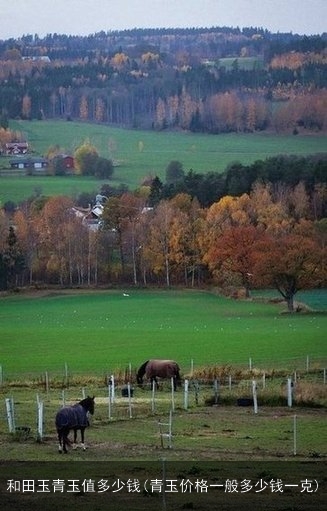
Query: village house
point(16, 148)
point(91, 216)
point(66, 160)
point(37, 164)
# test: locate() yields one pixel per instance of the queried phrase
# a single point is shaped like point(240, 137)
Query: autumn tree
point(84, 108)
point(99, 109)
point(161, 120)
point(159, 248)
point(119, 216)
point(26, 106)
point(235, 253)
point(86, 156)
point(289, 262)
point(56, 238)
point(185, 250)
point(272, 215)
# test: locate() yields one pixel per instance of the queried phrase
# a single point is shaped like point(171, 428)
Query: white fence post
point(109, 400)
point(254, 394)
point(10, 414)
point(172, 394)
point(112, 378)
point(289, 392)
point(185, 394)
point(39, 419)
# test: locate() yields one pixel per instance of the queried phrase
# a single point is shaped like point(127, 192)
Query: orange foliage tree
point(289, 262)
point(235, 254)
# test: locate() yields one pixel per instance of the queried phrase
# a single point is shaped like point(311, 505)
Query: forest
point(255, 226)
point(273, 236)
point(211, 80)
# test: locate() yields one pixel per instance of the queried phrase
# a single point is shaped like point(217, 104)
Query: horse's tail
point(59, 422)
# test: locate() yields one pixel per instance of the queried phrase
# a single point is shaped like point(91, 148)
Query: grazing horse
point(158, 368)
point(73, 418)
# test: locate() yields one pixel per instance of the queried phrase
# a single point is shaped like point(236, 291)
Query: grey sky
point(83, 17)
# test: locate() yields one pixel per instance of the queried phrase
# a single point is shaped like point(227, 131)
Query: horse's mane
point(87, 404)
point(84, 401)
point(141, 370)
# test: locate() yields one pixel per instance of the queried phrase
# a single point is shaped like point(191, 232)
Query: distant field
point(246, 63)
point(96, 332)
point(141, 153)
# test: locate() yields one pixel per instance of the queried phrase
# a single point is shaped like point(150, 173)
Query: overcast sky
point(83, 17)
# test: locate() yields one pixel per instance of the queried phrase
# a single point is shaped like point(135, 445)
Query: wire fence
point(69, 374)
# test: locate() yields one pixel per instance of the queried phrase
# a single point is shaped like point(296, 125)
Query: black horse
point(73, 418)
point(159, 368)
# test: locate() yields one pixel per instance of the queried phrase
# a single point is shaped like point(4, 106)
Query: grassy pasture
point(200, 432)
point(143, 153)
point(245, 63)
point(98, 332)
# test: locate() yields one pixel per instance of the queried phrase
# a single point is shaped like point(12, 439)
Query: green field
point(143, 153)
point(97, 332)
point(246, 63)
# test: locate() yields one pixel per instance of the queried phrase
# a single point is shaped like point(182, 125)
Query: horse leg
point(82, 439)
point(156, 382)
point(60, 441)
point(65, 440)
point(75, 439)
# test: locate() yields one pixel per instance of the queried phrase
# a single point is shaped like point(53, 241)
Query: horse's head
point(88, 404)
point(141, 372)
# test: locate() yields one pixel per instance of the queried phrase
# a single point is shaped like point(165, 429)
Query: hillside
point(212, 80)
point(141, 154)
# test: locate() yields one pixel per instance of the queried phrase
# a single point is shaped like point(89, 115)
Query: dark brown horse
point(73, 418)
point(153, 369)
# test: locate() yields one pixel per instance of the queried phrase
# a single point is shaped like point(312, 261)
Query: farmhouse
point(40, 58)
point(91, 216)
point(16, 148)
point(67, 161)
point(30, 163)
